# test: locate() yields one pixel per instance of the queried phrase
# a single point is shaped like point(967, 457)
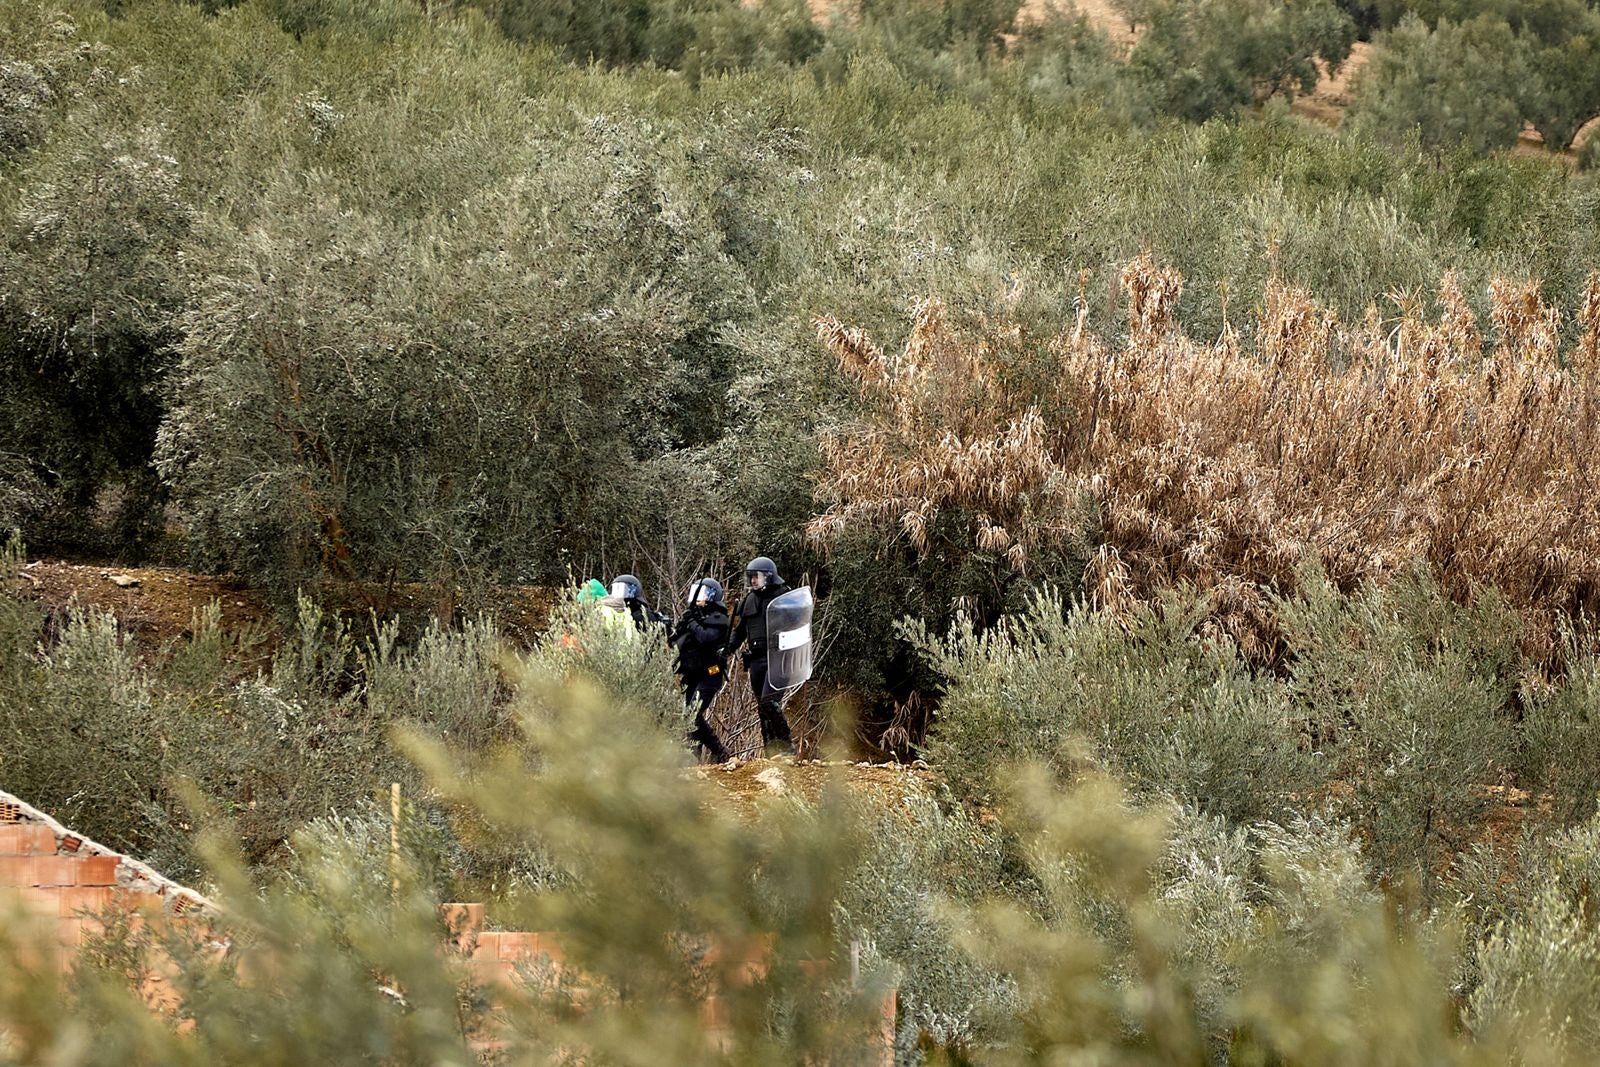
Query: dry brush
point(1364, 447)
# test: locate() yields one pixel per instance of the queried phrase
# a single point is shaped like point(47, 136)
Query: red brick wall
point(64, 879)
point(494, 956)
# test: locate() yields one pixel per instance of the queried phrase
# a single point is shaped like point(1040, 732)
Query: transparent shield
point(789, 645)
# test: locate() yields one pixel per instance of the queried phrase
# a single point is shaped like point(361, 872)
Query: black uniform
point(751, 630)
point(701, 638)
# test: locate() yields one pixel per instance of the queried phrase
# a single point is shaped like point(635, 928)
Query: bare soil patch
point(749, 783)
point(157, 605)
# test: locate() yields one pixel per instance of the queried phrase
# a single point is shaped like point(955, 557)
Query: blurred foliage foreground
point(1132, 932)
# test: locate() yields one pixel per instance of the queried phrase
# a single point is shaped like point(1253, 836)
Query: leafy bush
point(448, 680)
point(109, 743)
point(283, 437)
point(82, 727)
point(39, 73)
point(1168, 708)
point(1065, 920)
point(1394, 709)
point(1540, 963)
point(1549, 72)
point(919, 860)
point(1409, 696)
point(1202, 58)
point(697, 36)
point(1557, 756)
point(89, 270)
point(636, 669)
point(1454, 84)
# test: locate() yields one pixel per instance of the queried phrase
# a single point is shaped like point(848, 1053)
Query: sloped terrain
point(158, 604)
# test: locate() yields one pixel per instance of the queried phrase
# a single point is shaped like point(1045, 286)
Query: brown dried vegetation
point(1363, 447)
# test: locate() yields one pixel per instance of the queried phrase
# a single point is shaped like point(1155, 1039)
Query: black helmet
point(763, 566)
point(710, 588)
point(626, 586)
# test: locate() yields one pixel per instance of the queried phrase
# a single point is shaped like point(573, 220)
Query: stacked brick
point(501, 958)
point(494, 957)
point(67, 881)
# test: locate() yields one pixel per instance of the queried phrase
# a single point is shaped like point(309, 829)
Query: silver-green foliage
point(461, 393)
point(634, 668)
point(1393, 709)
point(1166, 706)
point(920, 858)
point(1134, 933)
point(1408, 695)
point(105, 738)
point(1202, 58)
point(1538, 969)
point(1454, 84)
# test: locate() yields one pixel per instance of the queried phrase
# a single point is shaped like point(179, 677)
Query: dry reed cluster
point(1228, 464)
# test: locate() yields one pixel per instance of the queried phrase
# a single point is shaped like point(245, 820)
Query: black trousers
point(774, 727)
point(699, 694)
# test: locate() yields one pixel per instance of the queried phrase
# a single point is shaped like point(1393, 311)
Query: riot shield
point(789, 640)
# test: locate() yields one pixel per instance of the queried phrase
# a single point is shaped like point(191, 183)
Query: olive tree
point(468, 394)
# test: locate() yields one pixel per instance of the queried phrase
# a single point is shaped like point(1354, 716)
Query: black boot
point(775, 736)
point(704, 736)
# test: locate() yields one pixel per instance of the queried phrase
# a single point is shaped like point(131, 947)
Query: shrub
point(1540, 963)
point(636, 669)
point(1455, 84)
point(1101, 971)
point(1408, 695)
point(1203, 58)
point(920, 859)
point(1589, 153)
point(1558, 755)
point(282, 439)
point(83, 730)
point(89, 287)
point(1137, 933)
point(42, 72)
point(110, 743)
point(1169, 708)
point(449, 680)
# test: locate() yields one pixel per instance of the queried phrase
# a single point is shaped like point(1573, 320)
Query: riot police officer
point(763, 585)
point(629, 592)
point(701, 638)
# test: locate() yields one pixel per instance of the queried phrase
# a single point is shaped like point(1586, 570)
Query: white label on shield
point(788, 639)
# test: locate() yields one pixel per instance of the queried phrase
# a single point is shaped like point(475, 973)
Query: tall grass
point(1229, 462)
